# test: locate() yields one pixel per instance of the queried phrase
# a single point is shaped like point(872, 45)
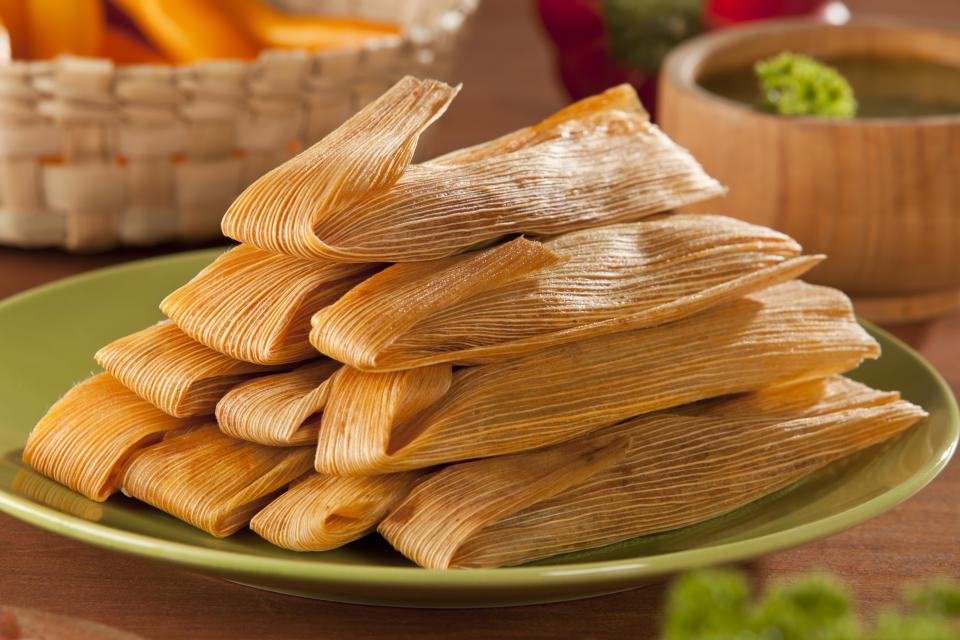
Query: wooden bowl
point(879, 196)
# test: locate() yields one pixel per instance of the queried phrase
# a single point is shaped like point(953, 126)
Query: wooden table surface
point(506, 69)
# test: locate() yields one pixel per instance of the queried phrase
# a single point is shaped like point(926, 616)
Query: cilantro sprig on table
point(716, 605)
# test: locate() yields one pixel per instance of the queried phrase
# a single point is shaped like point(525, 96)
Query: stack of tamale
point(504, 353)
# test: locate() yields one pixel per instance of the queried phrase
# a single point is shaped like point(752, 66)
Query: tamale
point(619, 98)
point(790, 331)
point(324, 512)
point(256, 306)
point(681, 466)
point(284, 409)
point(174, 372)
point(278, 409)
point(522, 296)
point(212, 481)
point(364, 156)
point(353, 196)
point(86, 438)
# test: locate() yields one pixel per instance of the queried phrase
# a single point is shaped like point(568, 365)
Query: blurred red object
point(587, 57)
point(585, 62)
point(720, 13)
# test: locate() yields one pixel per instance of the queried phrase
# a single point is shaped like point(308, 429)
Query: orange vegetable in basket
point(124, 49)
point(55, 27)
point(6, 50)
point(13, 14)
point(189, 30)
point(273, 28)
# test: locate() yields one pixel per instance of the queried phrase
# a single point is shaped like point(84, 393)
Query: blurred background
point(517, 65)
point(509, 67)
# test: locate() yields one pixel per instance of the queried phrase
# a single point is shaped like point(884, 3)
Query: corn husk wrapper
point(280, 409)
point(87, 437)
point(681, 466)
point(486, 493)
point(174, 372)
point(286, 408)
point(352, 196)
point(791, 331)
point(324, 512)
point(256, 306)
point(365, 155)
point(522, 296)
point(212, 481)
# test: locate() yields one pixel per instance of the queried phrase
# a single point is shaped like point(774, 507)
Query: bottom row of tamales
point(664, 469)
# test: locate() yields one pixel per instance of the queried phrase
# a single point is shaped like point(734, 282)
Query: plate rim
point(574, 574)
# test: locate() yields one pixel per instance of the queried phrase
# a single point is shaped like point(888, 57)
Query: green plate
point(48, 337)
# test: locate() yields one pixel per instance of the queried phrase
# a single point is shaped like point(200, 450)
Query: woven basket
point(93, 155)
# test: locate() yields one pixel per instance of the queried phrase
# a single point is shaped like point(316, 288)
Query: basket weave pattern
point(94, 155)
